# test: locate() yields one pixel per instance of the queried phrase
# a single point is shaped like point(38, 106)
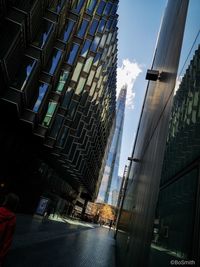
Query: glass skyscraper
point(57, 96)
point(110, 184)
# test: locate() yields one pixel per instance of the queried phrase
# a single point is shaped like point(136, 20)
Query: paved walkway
point(61, 244)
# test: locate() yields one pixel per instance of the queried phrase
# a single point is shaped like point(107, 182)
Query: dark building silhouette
point(57, 96)
point(136, 221)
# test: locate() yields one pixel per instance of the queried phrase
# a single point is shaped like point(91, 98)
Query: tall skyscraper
point(110, 181)
point(144, 173)
point(58, 86)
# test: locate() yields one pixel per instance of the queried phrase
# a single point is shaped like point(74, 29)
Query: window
point(72, 108)
point(88, 64)
point(103, 39)
point(83, 28)
point(54, 61)
point(90, 77)
point(62, 137)
point(90, 6)
point(62, 80)
point(67, 31)
point(77, 5)
point(114, 9)
point(86, 48)
point(95, 44)
point(56, 126)
point(77, 71)
point(98, 72)
point(43, 34)
point(101, 7)
point(57, 5)
point(96, 59)
point(108, 24)
point(93, 27)
point(23, 75)
point(80, 86)
point(41, 94)
point(101, 25)
point(109, 38)
point(72, 55)
point(93, 88)
point(50, 111)
point(67, 98)
point(108, 9)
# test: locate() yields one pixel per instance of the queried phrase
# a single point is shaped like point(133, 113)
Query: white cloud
point(178, 82)
point(127, 74)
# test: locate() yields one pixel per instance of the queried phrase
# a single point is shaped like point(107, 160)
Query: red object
point(7, 228)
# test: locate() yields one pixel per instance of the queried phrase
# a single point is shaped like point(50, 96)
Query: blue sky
point(139, 23)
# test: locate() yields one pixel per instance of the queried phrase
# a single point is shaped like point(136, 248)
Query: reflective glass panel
point(83, 28)
point(67, 98)
point(67, 30)
point(50, 111)
point(77, 5)
point(56, 126)
point(108, 8)
point(80, 85)
point(43, 33)
point(90, 6)
point(86, 48)
point(93, 27)
point(41, 93)
point(101, 7)
point(62, 80)
point(108, 24)
point(90, 77)
point(77, 71)
point(54, 61)
point(103, 39)
point(96, 59)
point(72, 55)
point(62, 137)
point(114, 9)
point(95, 44)
point(88, 64)
point(24, 73)
point(56, 6)
point(101, 25)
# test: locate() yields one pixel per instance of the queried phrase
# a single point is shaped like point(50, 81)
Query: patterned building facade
point(58, 75)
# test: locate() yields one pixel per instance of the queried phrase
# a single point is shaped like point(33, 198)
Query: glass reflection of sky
point(101, 25)
point(86, 48)
point(107, 9)
point(42, 91)
point(24, 73)
point(67, 31)
point(90, 6)
point(53, 63)
point(72, 55)
point(78, 5)
point(93, 26)
point(43, 34)
point(101, 7)
point(83, 28)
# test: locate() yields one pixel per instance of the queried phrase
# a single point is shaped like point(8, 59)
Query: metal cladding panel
point(139, 205)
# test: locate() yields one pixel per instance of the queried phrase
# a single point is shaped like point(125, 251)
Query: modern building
point(178, 203)
point(110, 184)
point(135, 231)
point(57, 96)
